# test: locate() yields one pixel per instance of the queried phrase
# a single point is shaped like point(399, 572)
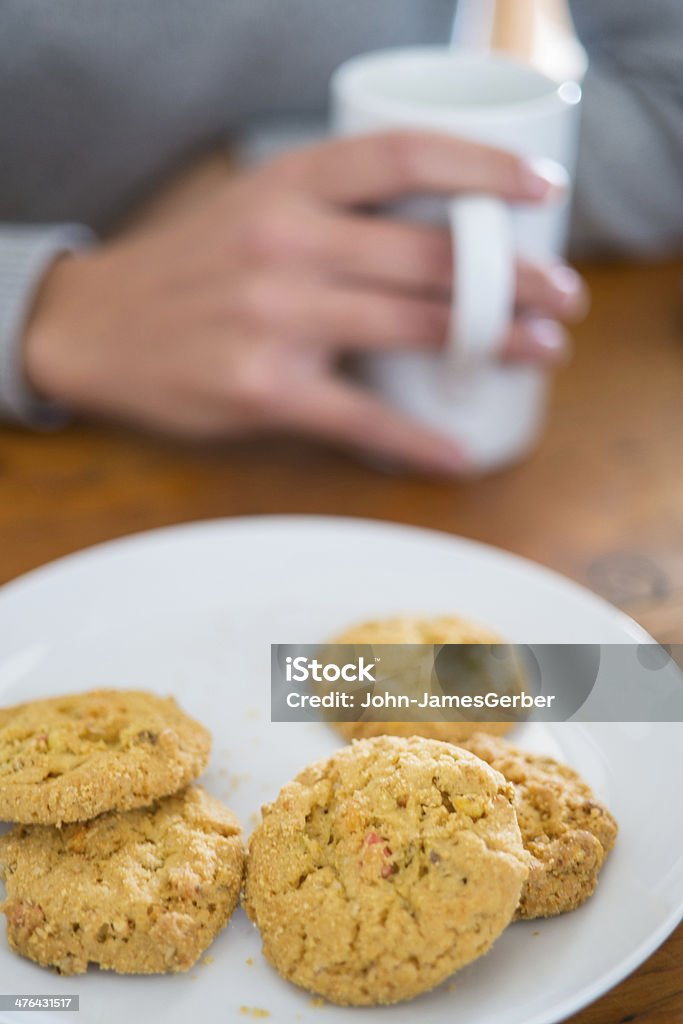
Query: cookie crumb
point(208, 960)
point(249, 961)
point(236, 780)
point(255, 1012)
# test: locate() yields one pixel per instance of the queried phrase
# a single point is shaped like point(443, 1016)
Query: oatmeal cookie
point(379, 872)
point(447, 732)
point(441, 629)
point(566, 830)
point(71, 758)
point(411, 629)
point(138, 892)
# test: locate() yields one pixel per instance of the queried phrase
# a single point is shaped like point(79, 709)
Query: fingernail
point(572, 295)
point(451, 460)
point(444, 459)
point(548, 340)
point(543, 179)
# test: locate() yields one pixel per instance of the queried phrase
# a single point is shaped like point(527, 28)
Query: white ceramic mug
point(497, 410)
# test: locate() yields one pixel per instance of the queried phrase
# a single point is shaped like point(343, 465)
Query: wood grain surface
point(601, 500)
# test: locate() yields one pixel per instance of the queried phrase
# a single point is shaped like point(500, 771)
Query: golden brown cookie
point(379, 872)
point(447, 732)
point(139, 892)
point(71, 758)
point(413, 629)
point(441, 629)
point(566, 830)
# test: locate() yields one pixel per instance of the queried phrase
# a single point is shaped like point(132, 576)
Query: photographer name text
point(336, 699)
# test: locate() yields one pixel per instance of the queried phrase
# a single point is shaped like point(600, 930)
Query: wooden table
point(601, 501)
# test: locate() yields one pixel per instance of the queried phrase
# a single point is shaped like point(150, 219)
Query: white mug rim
point(349, 86)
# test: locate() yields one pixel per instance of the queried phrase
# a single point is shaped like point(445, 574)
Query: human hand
point(231, 317)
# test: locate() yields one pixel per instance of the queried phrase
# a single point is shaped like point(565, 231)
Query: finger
point(379, 167)
point(338, 412)
point(537, 340)
point(386, 252)
point(556, 291)
point(419, 257)
point(338, 315)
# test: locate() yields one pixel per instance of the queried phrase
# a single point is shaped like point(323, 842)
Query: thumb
point(340, 412)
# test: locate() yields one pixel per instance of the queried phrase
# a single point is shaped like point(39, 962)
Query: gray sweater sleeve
point(26, 252)
point(629, 192)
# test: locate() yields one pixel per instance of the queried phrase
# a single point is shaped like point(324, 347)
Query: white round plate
point(192, 611)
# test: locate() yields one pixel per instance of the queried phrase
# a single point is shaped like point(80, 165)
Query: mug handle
point(483, 278)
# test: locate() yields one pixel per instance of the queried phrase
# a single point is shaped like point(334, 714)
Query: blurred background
point(120, 123)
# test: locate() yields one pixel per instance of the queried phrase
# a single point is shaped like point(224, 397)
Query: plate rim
point(139, 538)
point(591, 993)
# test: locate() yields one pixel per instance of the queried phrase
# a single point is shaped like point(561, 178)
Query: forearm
point(26, 252)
